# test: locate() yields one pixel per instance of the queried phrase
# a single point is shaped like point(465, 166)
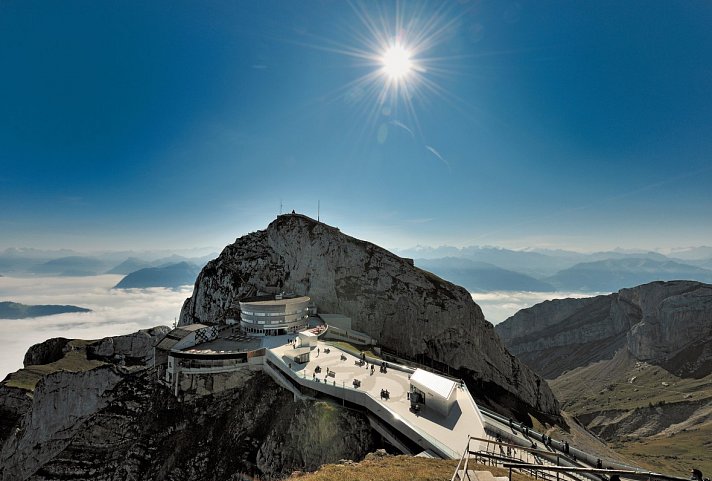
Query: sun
point(396, 62)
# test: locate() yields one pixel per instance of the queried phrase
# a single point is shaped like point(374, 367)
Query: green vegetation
point(673, 454)
point(636, 385)
point(624, 384)
point(354, 349)
point(396, 468)
point(73, 361)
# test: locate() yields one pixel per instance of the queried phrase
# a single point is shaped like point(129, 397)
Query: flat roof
point(439, 385)
point(277, 302)
point(297, 352)
point(307, 334)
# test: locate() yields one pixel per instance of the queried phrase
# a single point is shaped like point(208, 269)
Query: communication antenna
point(318, 209)
point(280, 206)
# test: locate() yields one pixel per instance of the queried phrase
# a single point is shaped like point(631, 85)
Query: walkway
point(446, 436)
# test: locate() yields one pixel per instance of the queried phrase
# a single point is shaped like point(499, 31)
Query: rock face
point(114, 422)
point(133, 349)
point(408, 310)
point(666, 323)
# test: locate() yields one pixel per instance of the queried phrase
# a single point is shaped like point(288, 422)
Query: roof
point(307, 334)
point(436, 384)
point(297, 352)
point(175, 335)
point(277, 302)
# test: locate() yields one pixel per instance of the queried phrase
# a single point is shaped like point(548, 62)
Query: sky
point(172, 124)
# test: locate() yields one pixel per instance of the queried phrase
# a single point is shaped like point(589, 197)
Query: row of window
point(272, 314)
point(278, 321)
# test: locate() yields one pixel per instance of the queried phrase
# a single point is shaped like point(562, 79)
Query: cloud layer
point(499, 305)
point(115, 311)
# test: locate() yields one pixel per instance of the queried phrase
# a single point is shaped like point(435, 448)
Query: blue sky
point(134, 125)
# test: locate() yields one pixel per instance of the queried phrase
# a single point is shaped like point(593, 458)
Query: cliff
point(93, 412)
point(665, 323)
point(408, 310)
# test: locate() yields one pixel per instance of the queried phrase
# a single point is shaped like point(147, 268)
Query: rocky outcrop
point(132, 349)
point(46, 352)
point(408, 310)
point(666, 323)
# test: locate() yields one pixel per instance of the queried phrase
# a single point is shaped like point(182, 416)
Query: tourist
point(696, 474)
point(599, 464)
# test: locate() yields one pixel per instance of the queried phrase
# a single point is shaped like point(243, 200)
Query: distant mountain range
point(482, 269)
point(613, 274)
point(172, 276)
point(479, 269)
point(25, 262)
point(14, 310)
point(482, 276)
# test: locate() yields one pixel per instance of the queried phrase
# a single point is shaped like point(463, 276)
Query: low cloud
point(499, 305)
point(114, 311)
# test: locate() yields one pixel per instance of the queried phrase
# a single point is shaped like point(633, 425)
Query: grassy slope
point(396, 468)
point(605, 386)
point(74, 361)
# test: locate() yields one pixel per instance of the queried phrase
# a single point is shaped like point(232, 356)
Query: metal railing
point(503, 453)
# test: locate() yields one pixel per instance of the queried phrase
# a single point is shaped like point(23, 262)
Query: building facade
point(274, 315)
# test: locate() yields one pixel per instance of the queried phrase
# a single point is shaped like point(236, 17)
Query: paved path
point(451, 431)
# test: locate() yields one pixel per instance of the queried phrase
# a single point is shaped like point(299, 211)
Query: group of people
point(385, 394)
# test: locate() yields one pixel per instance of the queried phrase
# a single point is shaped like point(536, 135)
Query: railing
point(503, 453)
point(609, 474)
point(571, 454)
point(362, 398)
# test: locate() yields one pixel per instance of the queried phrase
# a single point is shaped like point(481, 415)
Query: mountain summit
point(409, 311)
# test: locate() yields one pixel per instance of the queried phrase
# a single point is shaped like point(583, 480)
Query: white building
point(274, 315)
point(436, 392)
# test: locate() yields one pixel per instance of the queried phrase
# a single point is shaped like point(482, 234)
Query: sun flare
point(396, 62)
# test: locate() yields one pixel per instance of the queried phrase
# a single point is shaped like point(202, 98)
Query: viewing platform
point(341, 375)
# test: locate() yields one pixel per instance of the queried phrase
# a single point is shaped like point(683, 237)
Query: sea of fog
point(114, 311)
point(120, 311)
point(499, 305)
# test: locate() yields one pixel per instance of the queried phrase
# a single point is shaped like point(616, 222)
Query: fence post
point(510, 473)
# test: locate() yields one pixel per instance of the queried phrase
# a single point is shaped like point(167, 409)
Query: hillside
point(14, 310)
point(172, 276)
point(635, 367)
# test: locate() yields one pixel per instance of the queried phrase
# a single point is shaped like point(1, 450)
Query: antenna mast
point(280, 206)
point(318, 209)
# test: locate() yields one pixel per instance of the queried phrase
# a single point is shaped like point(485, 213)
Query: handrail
point(558, 445)
point(368, 401)
point(634, 474)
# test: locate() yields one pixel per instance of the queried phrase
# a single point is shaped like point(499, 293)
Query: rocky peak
point(408, 310)
point(666, 323)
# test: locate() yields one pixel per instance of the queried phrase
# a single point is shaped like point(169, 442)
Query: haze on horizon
point(171, 125)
